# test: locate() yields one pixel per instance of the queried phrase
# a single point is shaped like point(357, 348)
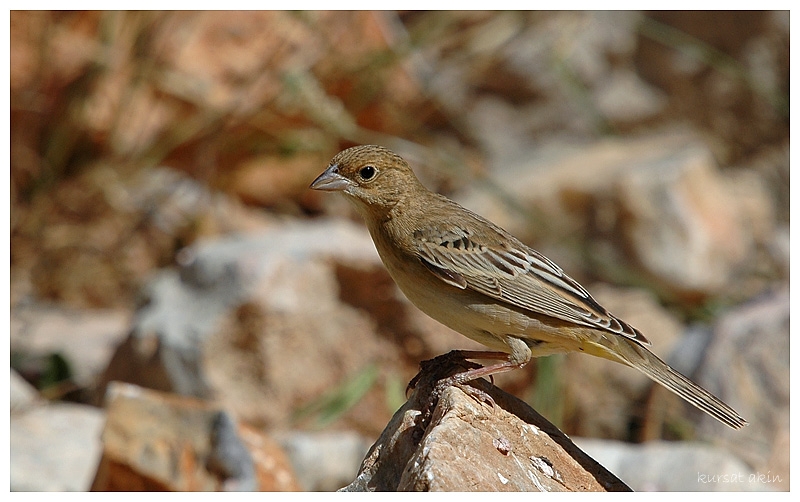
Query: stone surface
point(653, 208)
point(22, 394)
point(682, 222)
point(623, 97)
point(54, 447)
point(747, 365)
point(157, 441)
point(267, 323)
point(326, 460)
point(676, 466)
point(273, 272)
point(466, 445)
point(85, 338)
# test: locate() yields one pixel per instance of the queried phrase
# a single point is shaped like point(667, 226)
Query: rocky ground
point(185, 314)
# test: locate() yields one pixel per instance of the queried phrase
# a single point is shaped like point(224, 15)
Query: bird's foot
point(441, 368)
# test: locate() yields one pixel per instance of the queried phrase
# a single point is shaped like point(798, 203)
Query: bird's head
point(371, 176)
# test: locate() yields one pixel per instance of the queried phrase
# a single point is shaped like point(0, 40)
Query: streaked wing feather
point(516, 274)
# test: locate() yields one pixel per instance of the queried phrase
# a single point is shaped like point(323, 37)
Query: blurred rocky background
point(185, 314)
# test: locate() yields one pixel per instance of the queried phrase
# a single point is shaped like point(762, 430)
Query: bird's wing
point(501, 267)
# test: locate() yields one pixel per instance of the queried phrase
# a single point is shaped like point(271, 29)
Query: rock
point(757, 204)
point(269, 322)
point(683, 224)
point(156, 441)
point(624, 98)
point(466, 445)
point(54, 447)
point(276, 276)
point(780, 249)
point(675, 466)
point(22, 394)
point(657, 203)
point(747, 365)
point(326, 460)
point(84, 338)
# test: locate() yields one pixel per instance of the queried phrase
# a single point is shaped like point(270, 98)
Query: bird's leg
point(460, 379)
point(518, 356)
point(483, 371)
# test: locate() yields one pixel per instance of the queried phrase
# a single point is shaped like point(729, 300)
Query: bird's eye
point(367, 172)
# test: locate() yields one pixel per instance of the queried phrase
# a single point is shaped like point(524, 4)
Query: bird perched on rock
point(476, 278)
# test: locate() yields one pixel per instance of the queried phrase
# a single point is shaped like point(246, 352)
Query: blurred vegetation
point(330, 406)
point(253, 103)
point(248, 103)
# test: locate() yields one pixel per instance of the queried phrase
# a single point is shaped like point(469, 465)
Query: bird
point(479, 280)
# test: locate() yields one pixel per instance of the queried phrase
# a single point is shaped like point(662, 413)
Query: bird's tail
point(631, 353)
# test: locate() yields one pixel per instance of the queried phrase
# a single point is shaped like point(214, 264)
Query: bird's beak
point(331, 180)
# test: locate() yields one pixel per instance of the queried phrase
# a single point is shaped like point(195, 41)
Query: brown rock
point(255, 321)
point(53, 446)
point(747, 365)
point(466, 445)
point(85, 338)
point(682, 222)
point(273, 470)
point(657, 207)
point(675, 466)
point(155, 441)
point(270, 322)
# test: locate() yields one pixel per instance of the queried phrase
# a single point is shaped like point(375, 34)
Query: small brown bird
point(479, 280)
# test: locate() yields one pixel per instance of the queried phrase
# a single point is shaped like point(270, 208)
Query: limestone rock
point(748, 366)
point(682, 222)
point(156, 441)
point(324, 460)
point(675, 466)
point(22, 394)
point(268, 322)
point(85, 338)
point(54, 447)
point(241, 298)
point(466, 445)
